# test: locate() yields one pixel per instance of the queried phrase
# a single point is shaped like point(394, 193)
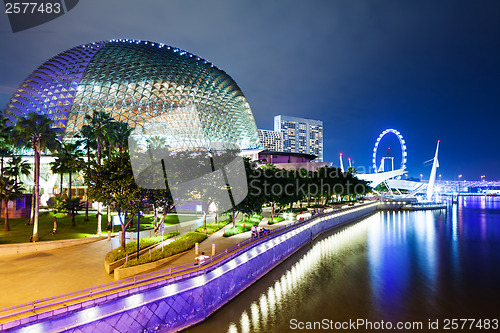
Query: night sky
point(430, 69)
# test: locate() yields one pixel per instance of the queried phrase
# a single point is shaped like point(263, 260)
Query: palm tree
point(87, 134)
point(36, 131)
point(98, 126)
point(121, 133)
point(56, 205)
point(59, 167)
point(116, 136)
point(68, 160)
point(9, 190)
point(72, 206)
point(17, 167)
point(5, 140)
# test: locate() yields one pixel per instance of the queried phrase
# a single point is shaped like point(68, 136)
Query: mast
point(341, 163)
point(432, 178)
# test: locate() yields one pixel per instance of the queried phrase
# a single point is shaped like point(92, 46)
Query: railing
point(161, 275)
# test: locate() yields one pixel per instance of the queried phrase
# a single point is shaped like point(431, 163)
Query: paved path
point(29, 277)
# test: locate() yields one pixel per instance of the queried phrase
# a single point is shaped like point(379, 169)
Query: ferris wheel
point(403, 150)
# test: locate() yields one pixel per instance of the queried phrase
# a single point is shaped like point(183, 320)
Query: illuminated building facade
point(301, 135)
point(136, 82)
point(271, 140)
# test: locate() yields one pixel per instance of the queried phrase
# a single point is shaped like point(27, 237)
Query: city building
point(290, 161)
point(301, 135)
point(138, 82)
point(271, 140)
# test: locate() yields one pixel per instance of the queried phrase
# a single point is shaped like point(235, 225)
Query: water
point(393, 266)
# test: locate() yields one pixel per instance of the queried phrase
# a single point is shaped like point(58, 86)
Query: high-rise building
point(301, 135)
point(271, 140)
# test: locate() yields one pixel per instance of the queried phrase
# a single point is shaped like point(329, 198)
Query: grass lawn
point(181, 244)
point(213, 227)
point(21, 233)
point(131, 247)
point(276, 219)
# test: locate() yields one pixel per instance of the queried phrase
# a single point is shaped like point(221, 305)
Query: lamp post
point(421, 177)
point(459, 178)
point(482, 178)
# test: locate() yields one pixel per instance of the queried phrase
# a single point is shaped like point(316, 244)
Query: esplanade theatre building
point(136, 82)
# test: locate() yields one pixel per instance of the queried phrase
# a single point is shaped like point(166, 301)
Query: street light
point(421, 177)
point(440, 178)
point(482, 178)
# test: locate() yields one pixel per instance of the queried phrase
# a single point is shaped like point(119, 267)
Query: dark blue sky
point(430, 69)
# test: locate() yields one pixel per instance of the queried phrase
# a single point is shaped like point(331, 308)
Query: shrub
point(256, 218)
point(234, 231)
point(238, 229)
point(213, 227)
point(131, 247)
point(179, 245)
point(276, 219)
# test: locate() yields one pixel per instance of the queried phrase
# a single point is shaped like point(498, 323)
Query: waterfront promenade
point(240, 268)
point(30, 277)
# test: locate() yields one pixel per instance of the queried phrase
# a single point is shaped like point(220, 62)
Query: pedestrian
point(254, 231)
point(201, 258)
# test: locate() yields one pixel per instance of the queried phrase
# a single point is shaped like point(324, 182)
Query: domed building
point(137, 82)
point(159, 90)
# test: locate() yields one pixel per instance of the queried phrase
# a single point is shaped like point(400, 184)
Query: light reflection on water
point(391, 266)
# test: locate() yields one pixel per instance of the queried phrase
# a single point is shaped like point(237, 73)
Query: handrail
point(163, 273)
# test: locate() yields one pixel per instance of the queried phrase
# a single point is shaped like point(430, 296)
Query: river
point(392, 268)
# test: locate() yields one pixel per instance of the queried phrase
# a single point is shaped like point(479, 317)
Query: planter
point(122, 273)
point(111, 266)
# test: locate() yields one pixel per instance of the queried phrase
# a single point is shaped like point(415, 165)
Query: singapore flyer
point(385, 135)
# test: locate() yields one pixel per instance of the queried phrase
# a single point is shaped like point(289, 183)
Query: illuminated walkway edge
point(191, 298)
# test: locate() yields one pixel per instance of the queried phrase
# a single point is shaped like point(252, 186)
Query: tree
point(117, 136)
point(278, 187)
point(87, 134)
point(158, 196)
point(74, 161)
point(252, 204)
point(36, 131)
point(98, 126)
point(121, 131)
point(59, 167)
point(56, 205)
point(9, 190)
point(17, 167)
point(113, 184)
point(72, 206)
point(5, 141)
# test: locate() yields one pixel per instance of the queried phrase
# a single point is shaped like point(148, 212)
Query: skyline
point(429, 70)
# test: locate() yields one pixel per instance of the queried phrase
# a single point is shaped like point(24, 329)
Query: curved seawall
point(193, 297)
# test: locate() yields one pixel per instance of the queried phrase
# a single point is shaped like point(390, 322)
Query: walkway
point(30, 277)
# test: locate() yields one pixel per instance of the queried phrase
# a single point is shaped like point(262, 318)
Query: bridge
point(466, 186)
